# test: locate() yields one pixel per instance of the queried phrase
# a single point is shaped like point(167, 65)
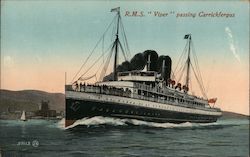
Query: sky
point(41, 40)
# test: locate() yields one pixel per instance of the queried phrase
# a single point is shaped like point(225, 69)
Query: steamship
point(143, 94)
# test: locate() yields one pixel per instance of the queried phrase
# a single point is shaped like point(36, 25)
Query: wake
point(110, 121)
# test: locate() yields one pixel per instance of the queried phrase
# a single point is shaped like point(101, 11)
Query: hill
point(228, 115)
point(29, 100)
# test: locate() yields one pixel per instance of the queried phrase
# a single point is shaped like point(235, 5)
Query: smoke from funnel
point(139, 61)
point(125, 66)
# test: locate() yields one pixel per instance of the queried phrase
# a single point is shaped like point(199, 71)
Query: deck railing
point(107, 90)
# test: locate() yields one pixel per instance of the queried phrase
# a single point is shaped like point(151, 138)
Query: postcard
point(124, 78)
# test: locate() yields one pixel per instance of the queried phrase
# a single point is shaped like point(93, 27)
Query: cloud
point(232, 43)
point(8, 62)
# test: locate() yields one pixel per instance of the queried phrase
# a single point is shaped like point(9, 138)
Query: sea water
point(112, 137)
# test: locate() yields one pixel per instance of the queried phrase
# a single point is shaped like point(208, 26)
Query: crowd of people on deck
point(102, 89)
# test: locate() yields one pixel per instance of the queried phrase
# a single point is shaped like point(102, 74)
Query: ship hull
point(81, 108)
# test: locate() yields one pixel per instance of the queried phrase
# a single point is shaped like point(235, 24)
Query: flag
point(213, 100)
point(115, 9)
point(186, 36)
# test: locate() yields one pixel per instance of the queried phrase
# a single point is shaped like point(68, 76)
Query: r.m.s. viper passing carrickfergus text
point(144, 88)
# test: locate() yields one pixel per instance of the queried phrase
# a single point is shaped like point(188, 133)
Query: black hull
point(78, 109)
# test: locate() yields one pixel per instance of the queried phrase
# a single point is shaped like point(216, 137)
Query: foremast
point(116, 42)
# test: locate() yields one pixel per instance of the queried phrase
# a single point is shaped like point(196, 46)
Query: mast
point(188, 59)
point(116, 43)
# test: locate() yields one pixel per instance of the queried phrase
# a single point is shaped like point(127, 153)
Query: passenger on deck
point(76, 86)
point(80, 86)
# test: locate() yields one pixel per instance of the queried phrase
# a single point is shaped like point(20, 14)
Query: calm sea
point(99, 137)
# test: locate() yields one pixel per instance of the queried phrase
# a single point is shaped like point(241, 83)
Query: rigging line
point(202, 91)
point(181, 69)
point(196, 62)
point(91, 66)
point(98, 69)
point(122, 42)
point(103, 72)
point(87, 78)
point(172, 75)
point(197, 67)
point(126, 41)
point(103, 55)
point(103, 61)
point(93, 50)
point(122, 50)
point(103, 47)
point(181, 57)
point(114, 30)
point(182, 72)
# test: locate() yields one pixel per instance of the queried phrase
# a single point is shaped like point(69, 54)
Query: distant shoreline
point(228, 115)
point(29, 100)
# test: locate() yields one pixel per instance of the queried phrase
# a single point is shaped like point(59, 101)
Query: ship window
point(113, 111)
point(107, 110)
point(93, 108)
point(131, 112)
point(100, 109)
point(120, 111)
point(126, 111)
